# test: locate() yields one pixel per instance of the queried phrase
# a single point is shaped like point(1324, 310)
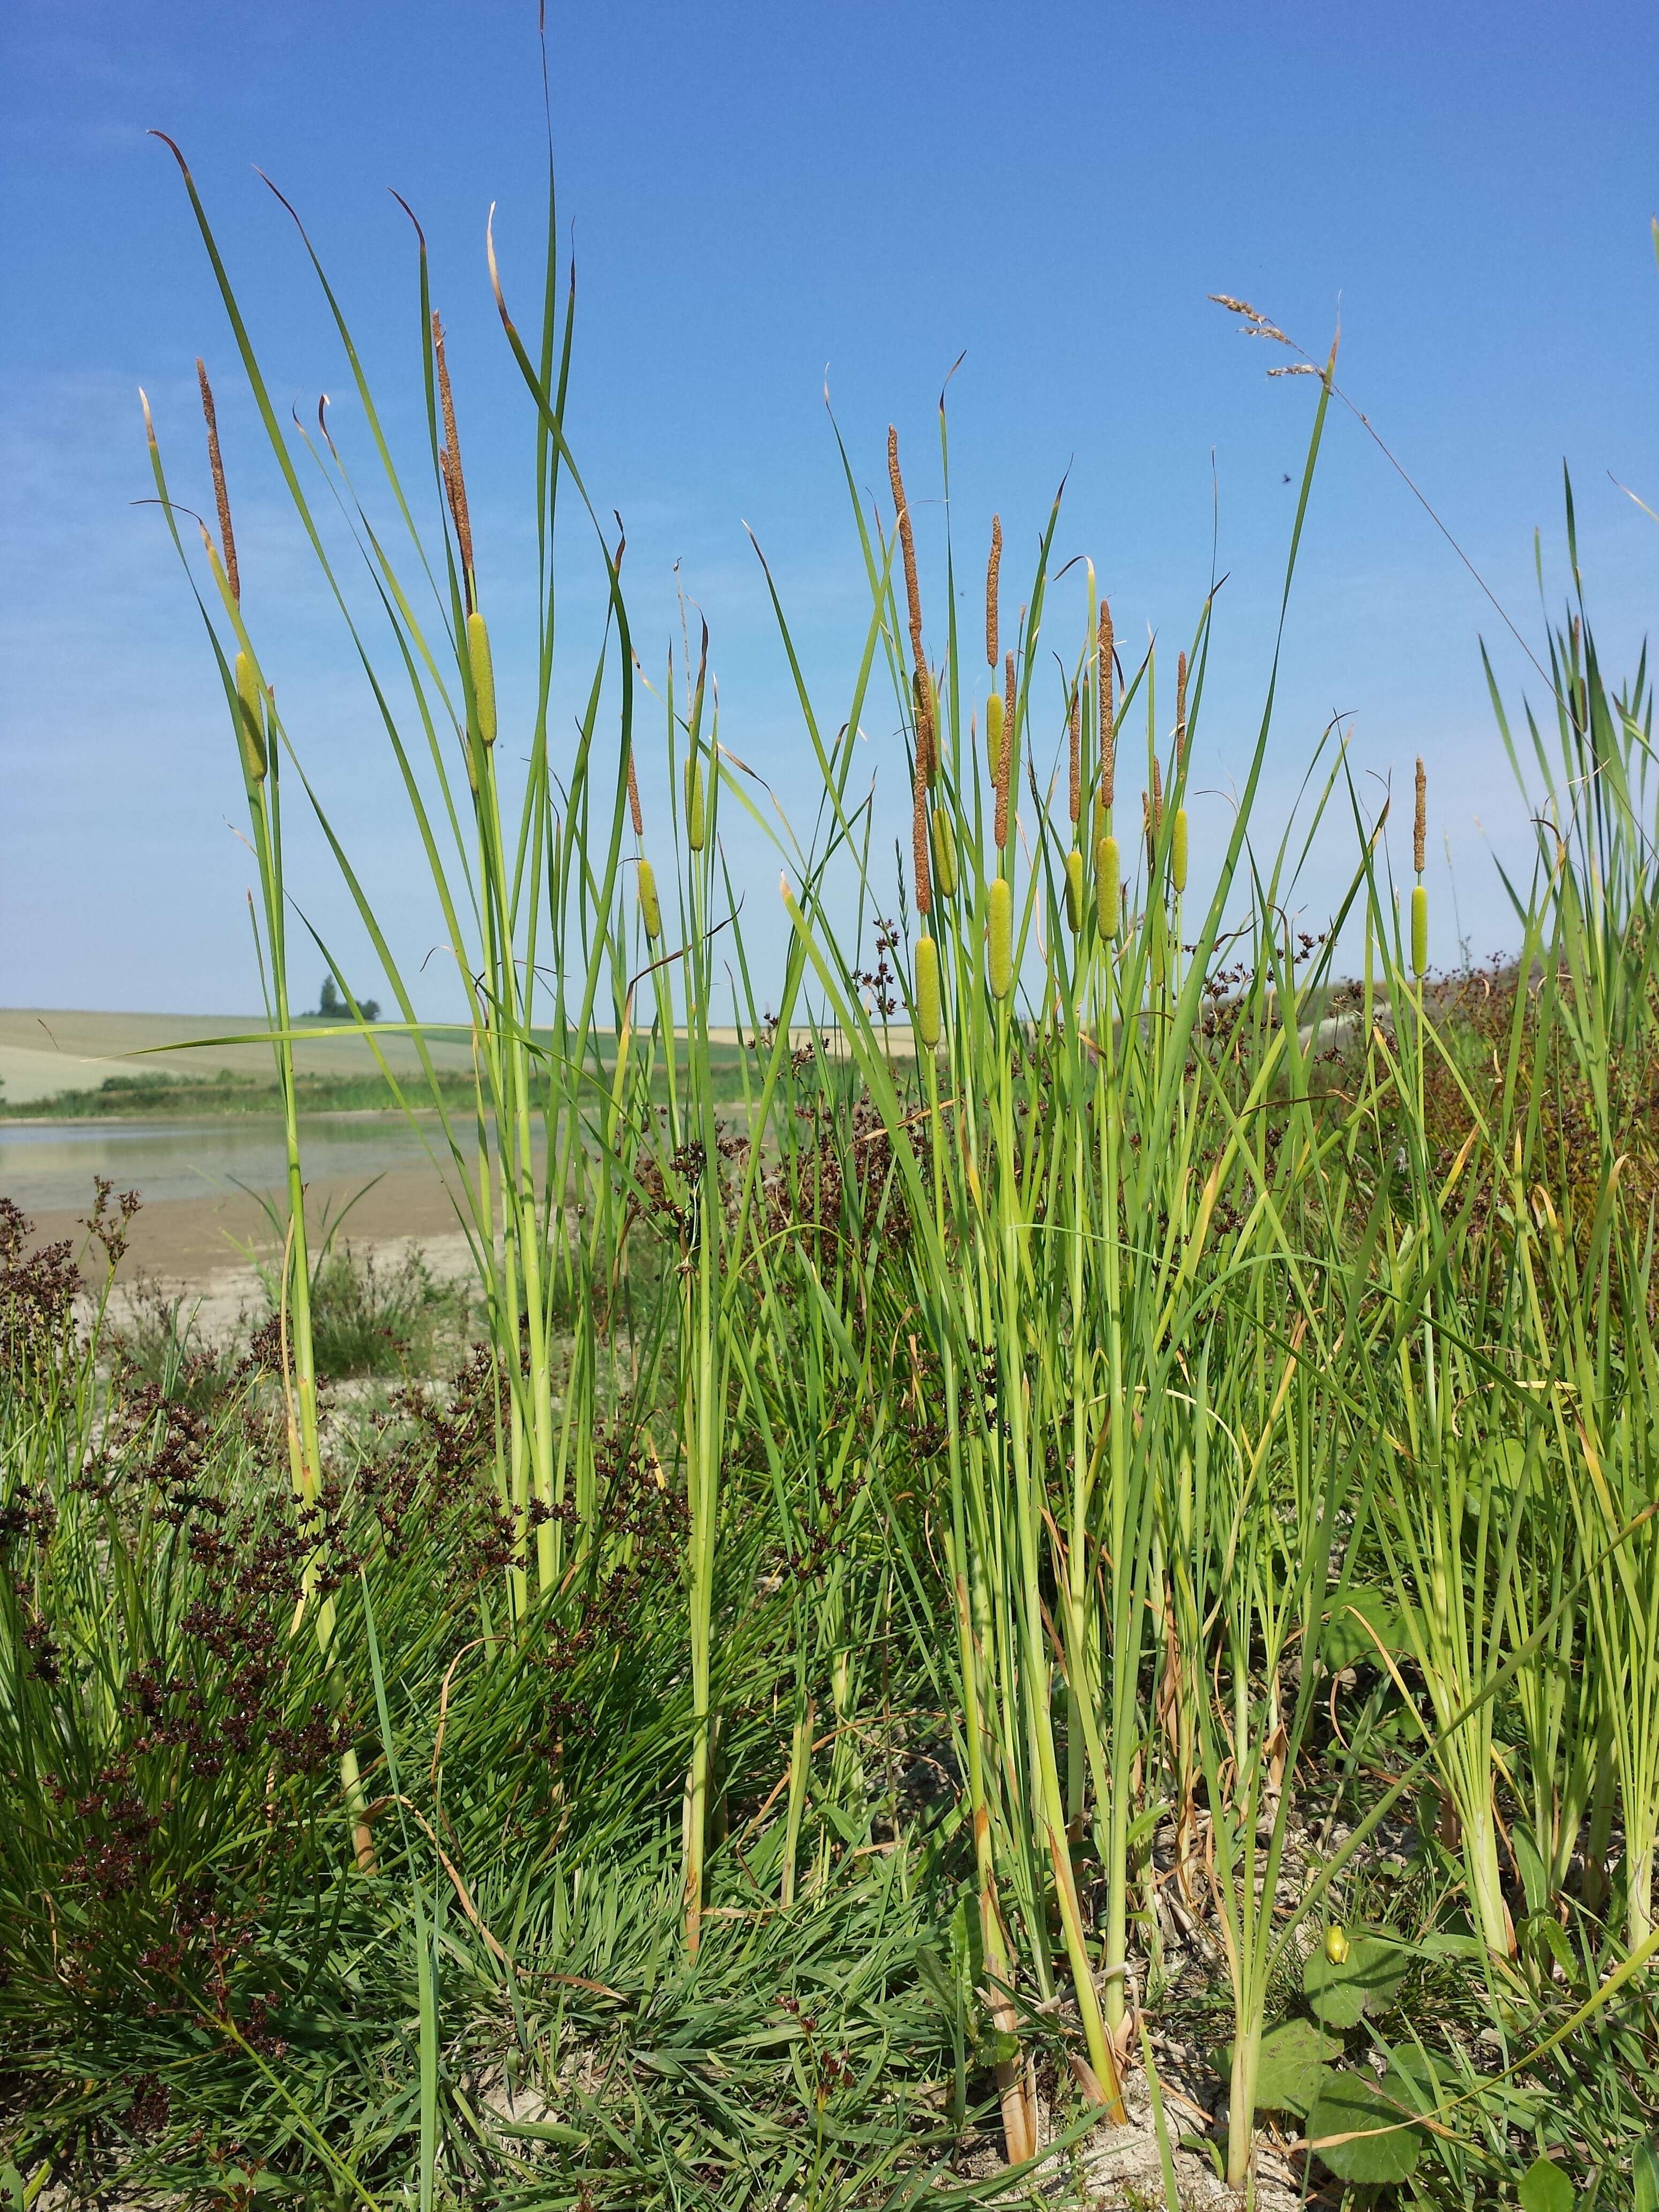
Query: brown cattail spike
point(1005, 758)
point(919, 845)
point(221, 498)
point(993, 570)
point(1180, 711)
point(913, 603)
point(1076, 734)
point(1108, 724)
point(1420, 823)
point(634, 797)
point(449, 460)
point(1157, 795)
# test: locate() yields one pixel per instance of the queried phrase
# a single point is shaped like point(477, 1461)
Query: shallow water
point(46, 1166)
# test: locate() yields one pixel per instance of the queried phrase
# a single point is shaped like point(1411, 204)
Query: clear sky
point(757, 192)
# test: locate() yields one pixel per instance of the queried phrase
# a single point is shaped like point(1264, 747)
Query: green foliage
point(1341, 1992)
point(1546, 2188)
point(1358, 2130)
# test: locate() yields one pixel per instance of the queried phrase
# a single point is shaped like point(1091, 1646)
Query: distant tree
point(332, 1007)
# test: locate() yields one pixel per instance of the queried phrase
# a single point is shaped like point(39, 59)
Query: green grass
point(938, 1580)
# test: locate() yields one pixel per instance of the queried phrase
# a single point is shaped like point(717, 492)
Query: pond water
point(49, 1165)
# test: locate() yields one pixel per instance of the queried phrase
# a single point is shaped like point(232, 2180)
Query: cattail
point(634, 797)
point(1420, 931)
point(1108, 725)
point(999, 938)
point(449, 458)
point(1180, 711)
point(928, 993)
point(994, 734)
point(221, 498)
point(1075, 733)
point(696, 829)
point(1147, 830)
point(991, 570)
point(1178, 852)
point(945, 854)
point(483, 675)
point(250, 720)
point(1420, 820)
point(912, 595)
point(1106, 886)
point(1074, 890)
point(650, 907)
point(1005, 752)
point(1157, 795)
point(919, 844)
point(922, 694)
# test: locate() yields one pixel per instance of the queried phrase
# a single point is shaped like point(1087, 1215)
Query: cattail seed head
point(993, 569)
point(1107, 877)
point(1074, 895)
point(1075, 751)
point(999, 938)
point(921, 693)
point(1420, 820)
point(251, 720)
point(1157, 795)
point(994, 734)
point(1006, 755)
point(1178, 852)
point(1181, 710)
point(927, 994)
point(945, 854)
point(907, 548)
point(919, 842)
point(449, 459)
point(1420, 931)
point(696, 827)
point(650, 907)
point(633, 807)
point(1107, 722)
point(483, 675)
point(220, 497)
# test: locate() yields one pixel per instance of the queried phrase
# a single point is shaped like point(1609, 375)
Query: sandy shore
point(198, 1241)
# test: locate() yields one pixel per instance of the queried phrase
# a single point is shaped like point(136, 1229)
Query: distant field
point(76, 1066)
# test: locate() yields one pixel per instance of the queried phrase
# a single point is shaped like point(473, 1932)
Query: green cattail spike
point(1178, 852)
point(1074, 890)
point(1420, 931)
point(994, 734)
point(650, 908)
point(483, 675)
point(999, 938)
point(251, 720)
point(928, 993)
point(1106, 886)
point(697, 828)
point(945, 854)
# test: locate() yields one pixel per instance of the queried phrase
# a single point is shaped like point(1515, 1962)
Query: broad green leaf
point(1645, 2178)
point(1291, 2069)
point(1340, 1994)
point(1356, 2126)
point(1546, 2188)
point(1348, 1640)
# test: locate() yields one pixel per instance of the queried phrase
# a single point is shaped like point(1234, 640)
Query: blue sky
point(757, 194)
